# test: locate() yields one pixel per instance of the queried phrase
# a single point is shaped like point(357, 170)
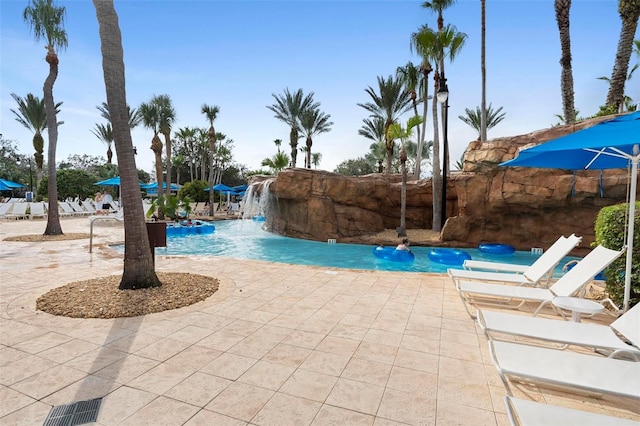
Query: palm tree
point(186, 135)
point(277, 162)
point(629, 11)
point(31, 114)
point(167, 116)
point(628, 103)
point(47, 22)
point(288, 108)
point(474, 118)
point(391, 103)
point(566, 80)
point(413, 80)
point(138, 263)
point(373, 128)
point(211, 112)
point(438, 6)
point(151, 120)
point(422, 43)
point(396, 131)
point(178, 162)
point(483, 70)
point(134, 115)
point(313, 122)
point(105, 134)
point(316, 157)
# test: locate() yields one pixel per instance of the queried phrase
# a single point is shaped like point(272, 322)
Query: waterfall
point(249, 202)
point(256, 200)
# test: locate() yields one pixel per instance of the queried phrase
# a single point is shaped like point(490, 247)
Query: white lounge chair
point(88, 206)
point(37, 210)
point(533, 275)
point(522, 413)
point(474, 265)
point(495, 324)
point(565, 369)
point(66, 209)
point(5, 209)
point(19, 211)
point(569, 284)
point(78, 210)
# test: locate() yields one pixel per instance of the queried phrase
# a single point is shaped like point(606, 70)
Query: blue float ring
point(448, 256)
point(390, 253)
point(496, 248)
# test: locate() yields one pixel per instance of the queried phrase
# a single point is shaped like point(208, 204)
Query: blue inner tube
point(390, 253)
point(448, 256)
point(195, 228)
point(258, 218)
point(496, 248)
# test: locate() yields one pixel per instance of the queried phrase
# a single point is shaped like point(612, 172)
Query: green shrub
point(611, 233)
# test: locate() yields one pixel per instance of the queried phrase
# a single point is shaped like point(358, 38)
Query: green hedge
point(611, 233)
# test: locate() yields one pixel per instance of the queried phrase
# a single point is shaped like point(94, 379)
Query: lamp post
point(443, 99)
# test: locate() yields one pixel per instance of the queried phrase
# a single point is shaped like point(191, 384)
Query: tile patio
point(276, 345)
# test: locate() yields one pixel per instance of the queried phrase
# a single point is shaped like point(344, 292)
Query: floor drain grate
point(78, 413)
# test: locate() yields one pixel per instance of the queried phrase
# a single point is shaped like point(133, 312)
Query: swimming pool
point(246, 240)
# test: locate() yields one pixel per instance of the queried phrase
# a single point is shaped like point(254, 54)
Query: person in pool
point(404, 245)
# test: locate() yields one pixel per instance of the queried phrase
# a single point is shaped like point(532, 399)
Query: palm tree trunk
point(167, 145)
point(426, 69)
point(483, 71)
point(308, 156)
point(566, 80)
point(138, 263)
point(212, 149)
point(629, 13)
point(436, 175)
point(293, 141)
point(53, 217)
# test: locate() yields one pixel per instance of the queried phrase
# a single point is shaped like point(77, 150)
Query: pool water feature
point(245, 239)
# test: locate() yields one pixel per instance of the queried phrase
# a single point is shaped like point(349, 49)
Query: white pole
point(632, 218)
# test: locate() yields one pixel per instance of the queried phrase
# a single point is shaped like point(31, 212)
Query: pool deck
point(276, 345)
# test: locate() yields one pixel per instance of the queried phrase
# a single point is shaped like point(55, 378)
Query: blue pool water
point(246, 240)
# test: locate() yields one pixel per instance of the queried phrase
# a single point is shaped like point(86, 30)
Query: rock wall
point(485, 203)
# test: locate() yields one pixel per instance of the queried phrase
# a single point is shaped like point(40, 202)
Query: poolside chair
point(5, 208)
point(37, 210)
point(65, 209)
point(88, 206)
point(565, 369)
point(78, 210)
point(522, 413)
point(19, 211)
point(474, 265)
point(569, 284)
point(533, 275)
point(496, 324)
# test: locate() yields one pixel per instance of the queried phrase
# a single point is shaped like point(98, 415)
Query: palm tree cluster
point(303, 115)
point(104, 132)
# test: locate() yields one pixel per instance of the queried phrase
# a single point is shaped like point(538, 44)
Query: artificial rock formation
point(485, 203)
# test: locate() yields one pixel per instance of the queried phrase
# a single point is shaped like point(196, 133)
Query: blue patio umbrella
point(8, 185)
point(611, 144)
point(154, 185)
point(114, 181)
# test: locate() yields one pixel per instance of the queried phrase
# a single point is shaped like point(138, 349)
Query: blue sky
point(235, 54)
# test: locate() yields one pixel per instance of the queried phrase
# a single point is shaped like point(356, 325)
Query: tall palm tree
point(187, 135)
point(422, 43)
point(278, 161)
point(167, 116)
point(413, 79)
point(629, 11)
point(438, 6)
point(134, 115)
point(178, 162)
point(483, 70)
point(105, 134)
point(138, 262)
point(47, 22)
point(313, 122)
point(473, 118)
point(288, 108)
point(373, 128)
point(211, 112)
point(32, 114)
point(627, 102)
point(563, 8)
point(391, 102)
point(151, 120)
